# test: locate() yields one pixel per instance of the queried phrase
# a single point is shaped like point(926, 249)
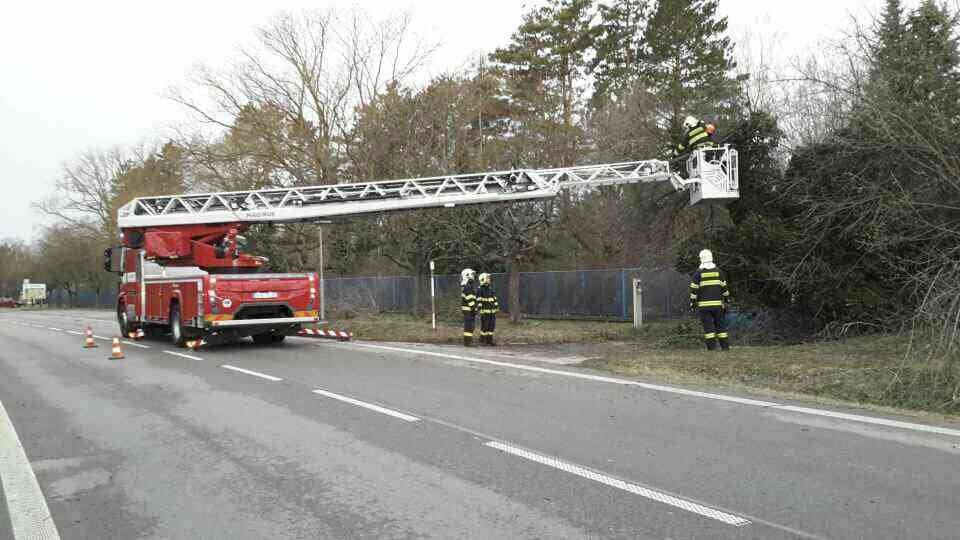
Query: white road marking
point(254, 373)
point(29, 515)
point(103, 338)
point(184, 355)
point(74, 333)
point(870, 420)
point(682, 391)
point(371, 406)
point(648, 493)
point(55, 329)
point(136, 344)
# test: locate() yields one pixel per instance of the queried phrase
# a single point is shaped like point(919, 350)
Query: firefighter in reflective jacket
point(468, 304)
point(489, 306)
point(698, 134)
point(709, 295)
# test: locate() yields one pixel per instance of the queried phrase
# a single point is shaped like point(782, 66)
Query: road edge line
point(27, 508)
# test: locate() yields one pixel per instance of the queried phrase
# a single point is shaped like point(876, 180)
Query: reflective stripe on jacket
point(487, 299)
point(708, 289)
point(468, 299)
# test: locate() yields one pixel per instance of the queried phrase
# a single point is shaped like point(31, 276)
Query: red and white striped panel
point(330, 334)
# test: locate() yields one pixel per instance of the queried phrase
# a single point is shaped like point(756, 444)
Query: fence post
point(623, 292)
point(433, 299)
point(637, 303)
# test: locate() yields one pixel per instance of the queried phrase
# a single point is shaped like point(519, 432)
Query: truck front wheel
point(123, 321)
point(176, 326)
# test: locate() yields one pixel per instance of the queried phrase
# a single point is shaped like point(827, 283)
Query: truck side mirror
point(113, 260)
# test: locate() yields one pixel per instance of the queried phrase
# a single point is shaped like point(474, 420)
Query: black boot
point(467, 341)
point(711, 344)
point(490, 341)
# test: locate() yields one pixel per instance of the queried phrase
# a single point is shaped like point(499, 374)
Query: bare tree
point(83, 195)
point(285, 107)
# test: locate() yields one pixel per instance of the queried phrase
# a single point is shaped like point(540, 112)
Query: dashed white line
point(75, 332)
point(29, 515)
point(682, 391)
point(254, 373)
point(103, 338)
point(132, 344)
point(184, 355)
point(371, 406)
point(55, 329)
point(648, 493)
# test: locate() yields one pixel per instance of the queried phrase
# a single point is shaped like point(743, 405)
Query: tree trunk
point(514, 291)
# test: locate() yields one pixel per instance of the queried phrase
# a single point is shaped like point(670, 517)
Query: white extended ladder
point(286, 205)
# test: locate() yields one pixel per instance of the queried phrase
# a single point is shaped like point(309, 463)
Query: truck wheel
point(263, 339)
point(177, 332)
point(277, 339)
point(125, 327)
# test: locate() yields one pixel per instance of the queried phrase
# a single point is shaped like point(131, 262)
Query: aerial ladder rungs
point(711, 174)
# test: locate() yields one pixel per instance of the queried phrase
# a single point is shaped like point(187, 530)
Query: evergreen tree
point(687, 60)
point(543, 64)
point(617, 47)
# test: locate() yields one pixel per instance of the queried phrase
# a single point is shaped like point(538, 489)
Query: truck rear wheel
point(267, 339)
point(177, 331)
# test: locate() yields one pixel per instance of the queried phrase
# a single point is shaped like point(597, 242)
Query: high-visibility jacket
point(487, 299)
point(468, 299)
point(708, 289)
point(696, 136)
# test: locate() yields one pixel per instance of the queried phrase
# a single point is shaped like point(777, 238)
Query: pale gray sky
point(80, 75)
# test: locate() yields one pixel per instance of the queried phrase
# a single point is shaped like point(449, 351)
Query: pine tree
point(617, 47)
point(543, 64)
point(934, 68)
point(687, 61)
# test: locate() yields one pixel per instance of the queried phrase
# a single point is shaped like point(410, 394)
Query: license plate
point(264, 295)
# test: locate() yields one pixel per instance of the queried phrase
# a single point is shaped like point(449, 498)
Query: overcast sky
point(84, 75)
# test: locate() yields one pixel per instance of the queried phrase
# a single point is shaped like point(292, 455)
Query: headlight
point(227, 303)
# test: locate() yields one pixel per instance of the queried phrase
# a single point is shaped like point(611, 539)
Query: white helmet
point(466, 276)
point(690, 122)
point(484, 279)
point(706, 256)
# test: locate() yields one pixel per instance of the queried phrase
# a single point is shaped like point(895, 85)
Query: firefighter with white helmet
point(468, 304)
point(698, 134)
point(709, 295)
point(489, 306)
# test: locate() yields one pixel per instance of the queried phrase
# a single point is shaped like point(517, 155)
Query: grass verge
point(871, 370)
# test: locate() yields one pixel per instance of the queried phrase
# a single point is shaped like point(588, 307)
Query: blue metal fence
point(604, 294)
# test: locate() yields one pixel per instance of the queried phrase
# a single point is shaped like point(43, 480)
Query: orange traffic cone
point(89, 343)
point(194, 344)
point(116, 353)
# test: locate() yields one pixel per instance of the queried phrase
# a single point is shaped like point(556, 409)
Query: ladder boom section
point(709, 173)
point(286, 205)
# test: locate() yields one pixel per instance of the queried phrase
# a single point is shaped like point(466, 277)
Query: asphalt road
point(319, 439)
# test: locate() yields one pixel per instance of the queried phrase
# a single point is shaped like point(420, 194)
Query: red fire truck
point(184, 270)
point(177, 282)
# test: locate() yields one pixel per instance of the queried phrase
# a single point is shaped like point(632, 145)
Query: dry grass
point(871, 370)
point(389, 327)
